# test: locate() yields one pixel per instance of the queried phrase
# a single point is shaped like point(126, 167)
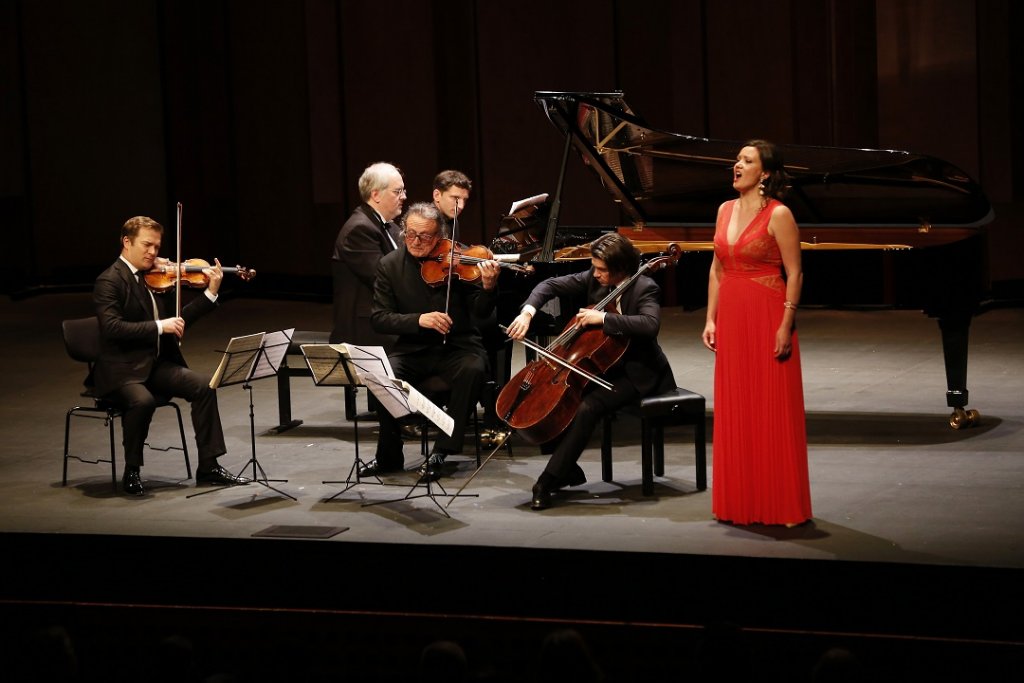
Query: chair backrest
point(82, 338)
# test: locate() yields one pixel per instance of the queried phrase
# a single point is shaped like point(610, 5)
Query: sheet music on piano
point(529, 201)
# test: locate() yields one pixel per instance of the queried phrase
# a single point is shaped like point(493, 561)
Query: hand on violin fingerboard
point(489, 271)
point(216, 275)
point(437, 321)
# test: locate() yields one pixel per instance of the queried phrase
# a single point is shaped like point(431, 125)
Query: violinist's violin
point(436, 267)
point(165, 277)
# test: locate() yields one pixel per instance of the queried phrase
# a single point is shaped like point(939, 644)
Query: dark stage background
point(259, 115)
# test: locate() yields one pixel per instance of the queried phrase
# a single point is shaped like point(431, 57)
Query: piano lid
point(663, 178)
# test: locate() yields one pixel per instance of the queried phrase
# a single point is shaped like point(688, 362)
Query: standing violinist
point(437, 335)
point(139, 355)
point(643, 369)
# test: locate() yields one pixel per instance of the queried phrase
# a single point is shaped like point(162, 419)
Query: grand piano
point(907, 228)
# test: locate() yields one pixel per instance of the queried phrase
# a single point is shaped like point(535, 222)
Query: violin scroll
point(437, 266)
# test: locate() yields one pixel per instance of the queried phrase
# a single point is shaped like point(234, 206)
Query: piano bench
point(676, 407)
point(300, 369)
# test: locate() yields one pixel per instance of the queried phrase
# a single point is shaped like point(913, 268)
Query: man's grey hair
point(376, 177)
point(426, 211)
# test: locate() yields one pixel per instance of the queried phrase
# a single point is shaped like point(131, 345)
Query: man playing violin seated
point(139, 355)
point(437, 335)
point(643, 370)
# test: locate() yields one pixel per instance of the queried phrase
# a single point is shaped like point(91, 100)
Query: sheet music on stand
point(340, 364)
point(401, 398)
point(243, 361)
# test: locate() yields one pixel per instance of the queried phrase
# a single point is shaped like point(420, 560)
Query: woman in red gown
point(760, 435)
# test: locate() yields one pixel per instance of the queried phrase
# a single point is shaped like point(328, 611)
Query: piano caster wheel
point(961, 419)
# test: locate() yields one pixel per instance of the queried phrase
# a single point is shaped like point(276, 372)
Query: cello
point(542, 399)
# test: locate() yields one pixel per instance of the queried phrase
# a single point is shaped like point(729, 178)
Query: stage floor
point(917, 528)
point(890, 480)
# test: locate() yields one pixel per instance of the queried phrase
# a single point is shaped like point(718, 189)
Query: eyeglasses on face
point(420, 237)
point(398, 193)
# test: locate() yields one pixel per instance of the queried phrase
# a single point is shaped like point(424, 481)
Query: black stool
point(285, 372)
point(676, 407)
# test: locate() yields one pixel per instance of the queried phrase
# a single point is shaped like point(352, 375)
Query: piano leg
point(955, 332)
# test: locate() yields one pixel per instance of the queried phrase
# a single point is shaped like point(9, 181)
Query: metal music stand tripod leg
point(247, 358)
point(340, 365)
point(430, 493)
point(356, 464)
point(257, 478)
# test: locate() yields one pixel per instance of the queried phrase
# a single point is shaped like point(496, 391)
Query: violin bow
point(497, 448)
point(558, 360)
point(451, 260)
point(177, 264)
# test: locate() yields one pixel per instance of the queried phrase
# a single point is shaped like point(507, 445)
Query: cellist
point(643, 369)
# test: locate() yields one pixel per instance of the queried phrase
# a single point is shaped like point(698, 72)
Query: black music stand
point(246, 359)
point(341, 365)
point(400, 398)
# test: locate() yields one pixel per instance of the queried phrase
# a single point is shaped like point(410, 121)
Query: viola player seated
point(436, 333)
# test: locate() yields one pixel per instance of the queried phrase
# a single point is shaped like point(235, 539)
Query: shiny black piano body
point(879, 227)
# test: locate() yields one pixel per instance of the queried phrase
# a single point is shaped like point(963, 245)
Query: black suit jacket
point(128, 332)
point(400, 295)
point(644, 364)
point(360, 244)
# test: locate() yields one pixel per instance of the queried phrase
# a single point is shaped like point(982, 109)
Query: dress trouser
point(170, 380)
point(462, 369)
point(597, 402)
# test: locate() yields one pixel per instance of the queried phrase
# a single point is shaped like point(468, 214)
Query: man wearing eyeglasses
point(436, 335)
point(366, 236)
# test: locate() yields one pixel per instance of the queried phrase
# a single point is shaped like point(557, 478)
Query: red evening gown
point(760, 433)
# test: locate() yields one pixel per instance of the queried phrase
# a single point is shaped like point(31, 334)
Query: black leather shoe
point(541, 497)
point(374, 469)
point(575, 478)
point(411, 431)
point(218, 476)
point(433, 468)
point(132, 482)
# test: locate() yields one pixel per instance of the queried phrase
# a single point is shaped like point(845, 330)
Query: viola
point(543, 398)
point(167, 276)
point(437, 266)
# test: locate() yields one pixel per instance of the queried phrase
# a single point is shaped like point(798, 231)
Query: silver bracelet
point(790, 305)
